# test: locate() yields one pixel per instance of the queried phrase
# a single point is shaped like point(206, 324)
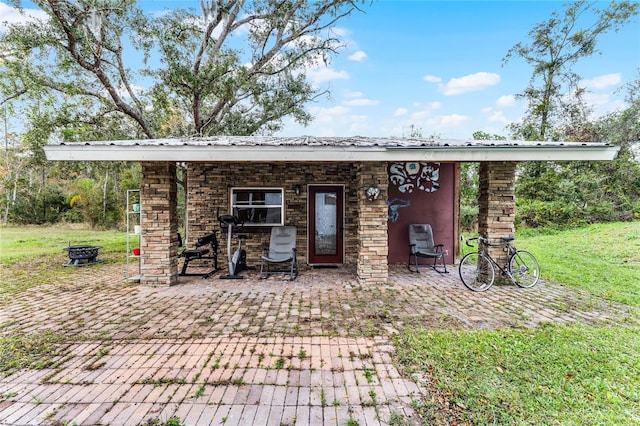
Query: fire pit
point(82, 255)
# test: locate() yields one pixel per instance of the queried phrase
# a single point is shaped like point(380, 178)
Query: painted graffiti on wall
point(409, 177)
point(395, 205)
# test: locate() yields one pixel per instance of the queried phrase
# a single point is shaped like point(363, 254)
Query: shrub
point(558, 214)
point(469, 218)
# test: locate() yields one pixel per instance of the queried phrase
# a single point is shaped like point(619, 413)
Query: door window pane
point(326, 223)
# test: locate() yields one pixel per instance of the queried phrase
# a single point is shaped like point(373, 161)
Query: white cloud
point(425, 111)
point(432, 79)
point(443, 121)
point(361, 102)
point(320, 75)
point(400, 112)
point(596, 99)
point(328, 115)
point(506, 100)
point(359, 123)
point(10, 15)
point(470, 83)
point(340, 32)
point(358, 56)
point(602, 82)
point(497, 117)
point(124, 93)
point(420, 115)
point(352, 94)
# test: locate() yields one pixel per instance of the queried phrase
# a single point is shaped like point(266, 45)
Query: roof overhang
point(273, 149)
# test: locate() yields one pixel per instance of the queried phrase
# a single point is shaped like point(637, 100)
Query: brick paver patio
point(316, 351)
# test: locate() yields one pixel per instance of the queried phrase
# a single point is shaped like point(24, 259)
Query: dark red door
point(326, 242)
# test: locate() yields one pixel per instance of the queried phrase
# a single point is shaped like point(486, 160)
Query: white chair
point(281, 251)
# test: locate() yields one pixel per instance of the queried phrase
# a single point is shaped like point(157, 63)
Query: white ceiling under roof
point(335, 149)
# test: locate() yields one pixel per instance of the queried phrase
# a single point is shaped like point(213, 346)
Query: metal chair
point(421, 245)
point(281, 251)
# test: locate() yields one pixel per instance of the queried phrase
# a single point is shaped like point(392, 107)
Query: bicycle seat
point(508, 239)
point(242, 237)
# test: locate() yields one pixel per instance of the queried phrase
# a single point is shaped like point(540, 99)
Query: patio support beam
point(206, 193)
point(372, 265)
point(158, 198)
point(497, 204)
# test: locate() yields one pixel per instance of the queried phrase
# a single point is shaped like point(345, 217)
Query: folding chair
point(281, 251)
point(421, 245)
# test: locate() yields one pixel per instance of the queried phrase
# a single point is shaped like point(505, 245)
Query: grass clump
point(27, 351)
point(550, 375)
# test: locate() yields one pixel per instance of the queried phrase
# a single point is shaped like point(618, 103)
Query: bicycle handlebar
point(485, 241)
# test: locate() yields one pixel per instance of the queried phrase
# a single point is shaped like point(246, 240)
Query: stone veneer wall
point(373, 248)
point(209, 186)
point(159, 220)
point(497, 203)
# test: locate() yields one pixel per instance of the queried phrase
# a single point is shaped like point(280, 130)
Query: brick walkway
point(316, 351)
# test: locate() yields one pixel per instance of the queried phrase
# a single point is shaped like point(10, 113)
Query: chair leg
point(415, 264)
point(442, 264)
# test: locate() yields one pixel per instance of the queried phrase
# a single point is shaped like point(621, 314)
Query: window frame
point(234, 207)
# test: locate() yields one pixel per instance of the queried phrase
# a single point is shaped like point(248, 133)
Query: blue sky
point(437, 65)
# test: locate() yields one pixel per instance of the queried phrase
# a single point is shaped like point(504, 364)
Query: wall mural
point(396, 204)
point(408, 177)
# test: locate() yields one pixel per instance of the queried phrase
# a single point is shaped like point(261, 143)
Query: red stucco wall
point(427, 192)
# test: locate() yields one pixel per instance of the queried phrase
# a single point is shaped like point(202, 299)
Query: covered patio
point(294, 171)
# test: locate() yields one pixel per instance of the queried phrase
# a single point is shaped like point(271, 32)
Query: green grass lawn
point(20, 243)
point(603, 259)
point(34, 255)
point(552, 375)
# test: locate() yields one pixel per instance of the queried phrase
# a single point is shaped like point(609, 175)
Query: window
point(258, 207)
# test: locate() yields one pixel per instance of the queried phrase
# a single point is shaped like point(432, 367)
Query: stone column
point(206, 194)
point(497, 204)
point(159, 220)
point(373, 248)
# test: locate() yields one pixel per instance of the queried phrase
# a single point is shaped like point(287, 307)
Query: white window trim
point(256, 188)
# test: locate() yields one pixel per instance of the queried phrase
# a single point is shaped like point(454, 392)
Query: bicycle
point(478, 269)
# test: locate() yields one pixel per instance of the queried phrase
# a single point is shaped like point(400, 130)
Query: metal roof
point(308, 148)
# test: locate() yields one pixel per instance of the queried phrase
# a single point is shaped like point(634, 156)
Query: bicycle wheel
point(524, 269)
point(477, 272)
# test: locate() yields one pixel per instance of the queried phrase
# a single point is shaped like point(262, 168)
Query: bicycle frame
point(520, 266)
point(511, 250)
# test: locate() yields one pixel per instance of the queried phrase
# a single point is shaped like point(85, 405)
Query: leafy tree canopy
point(553, 47)
point(235, 67)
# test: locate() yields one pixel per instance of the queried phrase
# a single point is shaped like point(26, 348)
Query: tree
point(554, 47)
point(555, 107)
point(103, 69)
point(587, 191)
point(237, 68)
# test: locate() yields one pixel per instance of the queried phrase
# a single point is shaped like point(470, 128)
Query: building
point(351, 198)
